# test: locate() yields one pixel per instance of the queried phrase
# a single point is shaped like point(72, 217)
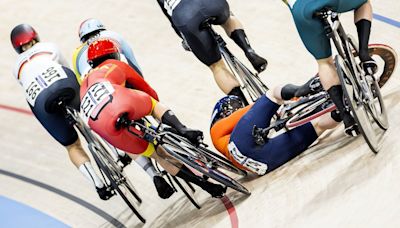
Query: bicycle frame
point(249, 82)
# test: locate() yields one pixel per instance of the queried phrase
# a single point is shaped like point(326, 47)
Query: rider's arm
point(161, 3)
point(126, 49)
point(135, 80)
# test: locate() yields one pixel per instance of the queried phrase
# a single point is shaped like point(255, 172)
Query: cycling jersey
point(79, 58)
point(42, 73)
point(233, 137)
point(104, 98)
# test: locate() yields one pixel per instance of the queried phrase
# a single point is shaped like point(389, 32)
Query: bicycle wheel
point(354, 100)
point(221, 162)
point(115, 177)
point(190, 155)
point(386, 59)
point(309, 110)
point(186, 192)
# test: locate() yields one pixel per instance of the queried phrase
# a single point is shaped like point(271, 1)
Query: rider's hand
point(194, 136)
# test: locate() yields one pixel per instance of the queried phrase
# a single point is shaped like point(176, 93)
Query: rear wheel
point(116, 178)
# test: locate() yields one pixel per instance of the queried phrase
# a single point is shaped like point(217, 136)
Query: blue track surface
point(17, 215)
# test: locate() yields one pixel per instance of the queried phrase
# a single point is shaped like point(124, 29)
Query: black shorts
point(188, 17)
point(54, 121)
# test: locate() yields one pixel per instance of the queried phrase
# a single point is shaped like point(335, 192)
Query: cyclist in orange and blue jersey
point(232, 132)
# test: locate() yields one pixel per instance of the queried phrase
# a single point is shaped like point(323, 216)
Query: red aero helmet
point(22, 34)
point(102, 48)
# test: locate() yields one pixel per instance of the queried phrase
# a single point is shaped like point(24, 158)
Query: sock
point(336, 94)
point(240, 38)
point(364, 31)
point(238, 92)
point(147, 166)
point(88, 171)
point(169, 118)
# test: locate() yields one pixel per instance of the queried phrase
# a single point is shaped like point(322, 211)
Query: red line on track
point(231, 211)
point(14, 109)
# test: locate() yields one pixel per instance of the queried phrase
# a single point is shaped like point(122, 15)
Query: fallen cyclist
point(105, 98)
point(232, 133)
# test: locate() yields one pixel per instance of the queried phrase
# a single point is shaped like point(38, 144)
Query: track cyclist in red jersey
point(93, 29)
point(105, 98)
point(312, 33)
point(43, 73)
point(232, 133)
point(187, 17)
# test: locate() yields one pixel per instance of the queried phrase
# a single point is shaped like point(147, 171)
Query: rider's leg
point(362, 19)
point(234, 29)
point(225, 80)
point(175, 168)
point(164, 190)
point(330, 82)
point(324, 123)
point(80, 159)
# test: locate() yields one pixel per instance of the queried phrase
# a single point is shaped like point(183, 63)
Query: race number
point(42, 81)
point(170, 5)
point(95, 99)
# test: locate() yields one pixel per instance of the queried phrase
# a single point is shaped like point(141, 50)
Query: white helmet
point(89, 26)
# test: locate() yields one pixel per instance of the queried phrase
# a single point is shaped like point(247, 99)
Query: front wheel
point(354, 100)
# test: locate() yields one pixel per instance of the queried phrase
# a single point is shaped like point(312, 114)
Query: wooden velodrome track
point(338, 183)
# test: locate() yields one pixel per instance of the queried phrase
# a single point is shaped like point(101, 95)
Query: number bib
point(170, 5)
point(95, 99)
point(46, 75)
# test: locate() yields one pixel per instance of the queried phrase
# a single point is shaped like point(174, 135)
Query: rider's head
point(225, 107)
point(23, 37)
point(101, 50)
point(90, 27)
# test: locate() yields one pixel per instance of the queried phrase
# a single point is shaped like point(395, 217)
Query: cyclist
point(44, 75)
point(312, 33)
point(90, 30)
point(105, 98)
point(187, 17)
point(232, 126)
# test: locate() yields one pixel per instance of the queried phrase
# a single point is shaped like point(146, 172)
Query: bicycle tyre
point(189, 158)
point(186, 193)
point(221, 162)
point(115, 184)
point(307, 113)
point(358, 109)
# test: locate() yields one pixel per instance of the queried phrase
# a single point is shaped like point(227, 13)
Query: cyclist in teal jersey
point(313, 35)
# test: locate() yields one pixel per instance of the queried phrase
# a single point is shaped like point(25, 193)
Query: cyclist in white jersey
point(43, 73)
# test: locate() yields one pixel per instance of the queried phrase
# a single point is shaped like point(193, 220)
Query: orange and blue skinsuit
point(105, 97)
point(221, 133)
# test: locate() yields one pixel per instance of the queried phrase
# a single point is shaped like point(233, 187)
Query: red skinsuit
point(137, 102)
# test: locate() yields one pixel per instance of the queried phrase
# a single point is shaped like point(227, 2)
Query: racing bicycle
point(197, 157)
point(112, 173)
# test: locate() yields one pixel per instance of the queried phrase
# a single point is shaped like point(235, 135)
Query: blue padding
point(17, 215)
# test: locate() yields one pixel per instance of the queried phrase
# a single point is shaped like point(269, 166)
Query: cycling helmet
point(23, 34)
point(225, 107)
point(88, 27)
point(101, 50)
